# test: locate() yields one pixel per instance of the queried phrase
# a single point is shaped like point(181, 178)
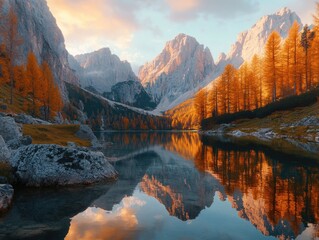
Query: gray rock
point(9, 129)
point(6, 195)
point(238, 133)
point(307, 121)
point(24, 119)
point(27, 119)
point(85, 132)
point(21, 141)
point(52, 165)
point(26, 140)
point(5, 153)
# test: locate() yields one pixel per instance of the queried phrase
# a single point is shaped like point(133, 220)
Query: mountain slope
point(131, 93)
point(101, 70)
point(249, 43)
point(42, 36)
point(181, 67)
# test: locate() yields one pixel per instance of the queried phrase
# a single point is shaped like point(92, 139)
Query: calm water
point(175, 186)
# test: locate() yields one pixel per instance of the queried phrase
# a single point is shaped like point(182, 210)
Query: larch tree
point(272, 64)
point(12, 42)
point(306, 39)
point(4, 66)
point(33, 76)
point(295, 56)
point(20, 80)
point(227, 79)
point(214, 99)
point(201, 104)
point(50, 95)
point(315, 45)
point(256, 70)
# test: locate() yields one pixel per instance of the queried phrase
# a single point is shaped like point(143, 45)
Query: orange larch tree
point(33, 76)
point(12, 42)
point(272, 64)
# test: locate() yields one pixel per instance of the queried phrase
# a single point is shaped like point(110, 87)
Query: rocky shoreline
point(47, 165)
point(307, 139)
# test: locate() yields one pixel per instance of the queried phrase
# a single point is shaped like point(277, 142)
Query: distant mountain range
point(174, 76)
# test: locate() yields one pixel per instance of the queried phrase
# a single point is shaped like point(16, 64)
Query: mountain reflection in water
point(177, 186)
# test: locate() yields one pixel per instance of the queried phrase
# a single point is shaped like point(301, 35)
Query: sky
point(137, 30)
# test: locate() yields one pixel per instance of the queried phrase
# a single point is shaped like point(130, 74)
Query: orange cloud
point(96, 223)
point(93, 23)
point(182, 5)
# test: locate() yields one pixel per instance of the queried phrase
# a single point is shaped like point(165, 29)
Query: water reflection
point(177, 186)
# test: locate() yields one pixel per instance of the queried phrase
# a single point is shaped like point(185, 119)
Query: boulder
point(9, 129)
point(6, 195)
point(54, 165)
point(85, 132)
point(18, 142)
point(5, 153)
point(27, 119)
point(307, 121)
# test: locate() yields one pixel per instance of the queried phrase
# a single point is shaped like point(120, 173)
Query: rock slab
point(54, 165)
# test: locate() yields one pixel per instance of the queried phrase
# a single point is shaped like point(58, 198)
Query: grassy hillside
point(54, 134)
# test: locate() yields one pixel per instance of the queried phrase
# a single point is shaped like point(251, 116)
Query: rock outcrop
point(6, 195)
point(85, 132)
point(9, 129)
point(53, 165)
point(131, 93)
point(5, 153)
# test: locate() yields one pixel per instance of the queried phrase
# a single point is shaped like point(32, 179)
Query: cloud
point(181, 10)
point(96, 223)
point(305, 10)
point(95, 22)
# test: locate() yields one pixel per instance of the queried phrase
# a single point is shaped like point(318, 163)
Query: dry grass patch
point(55, 134)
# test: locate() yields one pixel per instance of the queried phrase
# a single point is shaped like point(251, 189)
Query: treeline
point(288, 67)
point(101, 115)
point(34, 82)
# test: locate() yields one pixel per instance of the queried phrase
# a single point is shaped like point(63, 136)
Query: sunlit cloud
point(192, 9)
point(94, 23)
point(96, 223)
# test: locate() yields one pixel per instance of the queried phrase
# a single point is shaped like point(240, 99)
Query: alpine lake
point(178, 185)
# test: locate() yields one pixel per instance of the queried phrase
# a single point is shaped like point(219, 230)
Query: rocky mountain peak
point(100, 70)
point(181, 66)
point(252, 41)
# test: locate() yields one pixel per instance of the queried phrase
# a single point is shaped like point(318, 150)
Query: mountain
point(248, 43)
point(181, 67)
point(131, 93)
point(252, 42)
point(42, 36)
point(101, 70)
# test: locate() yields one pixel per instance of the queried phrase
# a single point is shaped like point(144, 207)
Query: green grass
point(55, 134)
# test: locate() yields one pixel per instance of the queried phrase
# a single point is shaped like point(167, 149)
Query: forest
point(288, 67)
